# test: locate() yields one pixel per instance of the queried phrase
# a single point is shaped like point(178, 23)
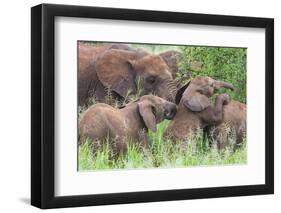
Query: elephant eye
point(151, 79)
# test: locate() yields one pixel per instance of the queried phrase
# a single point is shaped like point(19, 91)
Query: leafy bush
point(227, 64)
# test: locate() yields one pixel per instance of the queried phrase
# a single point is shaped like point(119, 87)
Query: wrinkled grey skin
point(195, 110)
point(102, 122)
point(123, 71)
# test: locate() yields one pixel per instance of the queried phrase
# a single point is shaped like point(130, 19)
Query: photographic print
point(160, 106)
point(127, 96)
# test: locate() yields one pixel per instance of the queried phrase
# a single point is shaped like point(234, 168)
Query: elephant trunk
point(171, 87)
point(220, 84)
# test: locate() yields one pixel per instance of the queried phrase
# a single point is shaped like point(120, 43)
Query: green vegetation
point(162, 154)
point(227, 64)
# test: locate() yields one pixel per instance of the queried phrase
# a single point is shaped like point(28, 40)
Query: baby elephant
point(195, 111)
point(129, 123)
point(233, 126)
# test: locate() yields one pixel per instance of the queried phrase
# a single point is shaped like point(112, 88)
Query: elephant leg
point(218, 136)
point(120, 147)
point(99, 92)
point(143, 140)
point(239, 139)
point(89, 87)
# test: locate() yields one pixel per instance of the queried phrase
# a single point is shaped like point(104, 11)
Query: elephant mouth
point(170, 114)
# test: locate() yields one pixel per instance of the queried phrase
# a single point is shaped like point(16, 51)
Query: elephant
point(171, 57)
point(195, 110)
point(120, 71)
point(232, 129)
point(88, 52)
point(129, 123)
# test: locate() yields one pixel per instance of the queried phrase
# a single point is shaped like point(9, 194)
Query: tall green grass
point(162, 153)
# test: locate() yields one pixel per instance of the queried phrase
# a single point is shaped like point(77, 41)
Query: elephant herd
point(124, 71)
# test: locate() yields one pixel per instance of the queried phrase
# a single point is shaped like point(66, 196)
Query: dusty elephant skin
point(87, 77)
point(88, 53)
point(122, 70)
point(171, 57)
point(102, 121)
point(233, 125)
point(195, 111)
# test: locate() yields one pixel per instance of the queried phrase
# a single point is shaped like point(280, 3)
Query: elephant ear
point(171, 59)
point(146, 112)
point(115, 71)
point(180, 93)
point(196, 102)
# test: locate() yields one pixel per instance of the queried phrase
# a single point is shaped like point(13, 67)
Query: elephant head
point(171, 57)
point(196, 93)
point(154, 110)
point(125, 72)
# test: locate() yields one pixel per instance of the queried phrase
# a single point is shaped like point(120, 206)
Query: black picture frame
point(43, 102)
